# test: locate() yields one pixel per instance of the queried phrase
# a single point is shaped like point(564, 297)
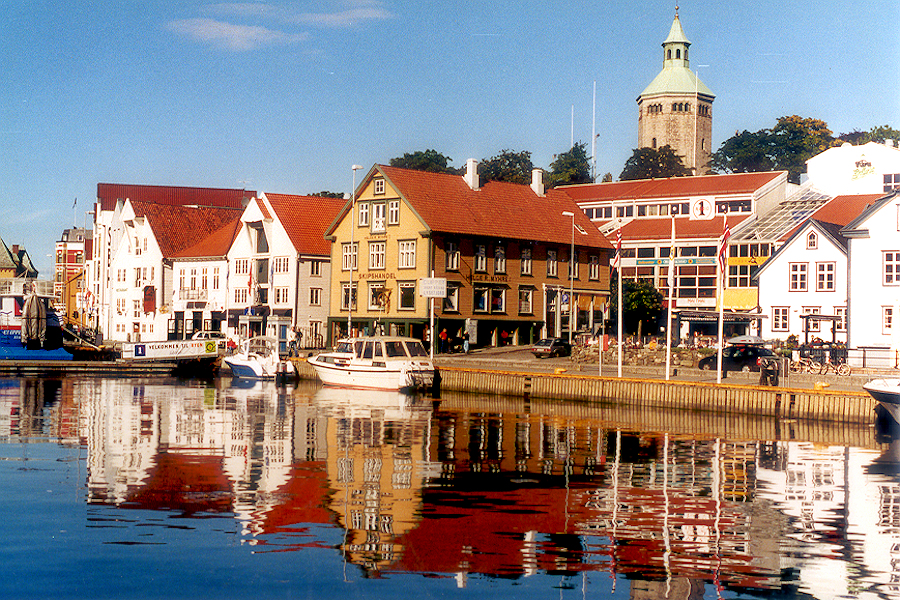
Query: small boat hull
point(378, 363)
point(259, 359)
point(887, 393)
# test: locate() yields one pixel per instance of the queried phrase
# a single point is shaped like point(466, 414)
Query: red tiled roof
point(661, 228)
point(179, 227)
point(505, 210)
point(306, 218)
point(263, 209)
point(108, 193)
point(840, 210)
point(215, 244)
point(672, 187)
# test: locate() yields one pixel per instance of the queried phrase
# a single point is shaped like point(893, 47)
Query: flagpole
point(670, 280)
point(619, 319)
point(721, 273)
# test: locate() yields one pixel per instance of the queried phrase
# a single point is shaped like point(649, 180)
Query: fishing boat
point(259, 359)
point(887, 393)
point(29, 327)
point(379, 362)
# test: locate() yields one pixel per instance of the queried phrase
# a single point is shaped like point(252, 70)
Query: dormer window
point(812, 241)
point(379, 186)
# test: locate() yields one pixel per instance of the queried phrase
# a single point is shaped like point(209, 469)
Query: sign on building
point(433, 287)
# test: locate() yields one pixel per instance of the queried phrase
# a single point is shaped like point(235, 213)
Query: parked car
point(737, 358)
point(550, 347)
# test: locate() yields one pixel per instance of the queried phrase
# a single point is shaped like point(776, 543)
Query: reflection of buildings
point(496, 487)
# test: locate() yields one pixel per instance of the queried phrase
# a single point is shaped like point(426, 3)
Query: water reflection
point(671, 505)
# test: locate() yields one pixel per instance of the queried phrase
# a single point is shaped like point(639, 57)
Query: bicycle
point(840, 367)
point(805, 365)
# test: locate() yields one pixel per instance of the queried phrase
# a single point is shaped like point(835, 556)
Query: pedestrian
point(443, 343)
point(466, 342)
point(504, 337)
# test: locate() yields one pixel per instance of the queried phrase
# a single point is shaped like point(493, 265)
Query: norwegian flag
point(723, 253)
point(618, 258)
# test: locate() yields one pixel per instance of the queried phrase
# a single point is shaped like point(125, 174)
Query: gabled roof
point(672, 187)
point(305, 219)
point(852, 228)
point(839, 211)
point(445, 203)
point(830, 231)
point(177, 228)
point(109, 193)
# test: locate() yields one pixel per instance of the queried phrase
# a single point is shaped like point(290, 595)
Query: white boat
point(380, 362)
point(259, 359)
point(887, 393)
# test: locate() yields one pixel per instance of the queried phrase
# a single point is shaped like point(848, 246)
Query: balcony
point(192, 294)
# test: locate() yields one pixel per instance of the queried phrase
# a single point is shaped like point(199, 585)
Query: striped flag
point(618, 258)
point(670, 279)
point(723, 253)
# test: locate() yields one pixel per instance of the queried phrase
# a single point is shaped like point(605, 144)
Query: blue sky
point(286, 96)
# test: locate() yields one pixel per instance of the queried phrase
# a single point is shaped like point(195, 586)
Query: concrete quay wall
point(783, 403)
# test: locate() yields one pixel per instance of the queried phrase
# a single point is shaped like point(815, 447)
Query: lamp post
point(567, 213)
point(354, 168)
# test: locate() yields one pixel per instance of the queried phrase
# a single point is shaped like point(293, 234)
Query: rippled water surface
point(117, 488)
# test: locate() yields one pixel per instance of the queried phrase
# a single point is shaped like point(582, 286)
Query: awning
point(712, 316)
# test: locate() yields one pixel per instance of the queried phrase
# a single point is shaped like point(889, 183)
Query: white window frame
point(451, 261)
point(811, 325)
point(781, 318)
point(393, 212)
point(526, 261)
point(315, 268)
point(594, 267)
point(349, 256)
point(406, 254)
point(379, 210)
point(241, 266)
point(499, 259)
point(526, 301)
point(281, 295)
point(552, 263)
point(798, 280)
point(375, 289)
point(363, 219)
point(315, 296)
point(841, 324)
point(812, 240)
point(376, 255)
point(480, 258)
point(451, 300)
point(405, 285)
point(887, 320)
point(348, 288)
point(825, 278)
point(481, 291)
point(378, 186)
point(890, 267)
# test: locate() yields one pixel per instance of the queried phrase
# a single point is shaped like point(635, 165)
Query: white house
point(874, 275)
point(279, 268)
point(808, 275)
point(847, 169)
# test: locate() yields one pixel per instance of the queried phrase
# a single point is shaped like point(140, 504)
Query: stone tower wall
point(679, 128)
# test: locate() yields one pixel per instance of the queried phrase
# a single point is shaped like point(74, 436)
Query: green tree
point(427, 160)
point(744, 152)
point(571, 167)
point(509, 166)
point(327, 194)
point(650, 163)
point(607, 178)
point(877, 134)
point(642, 307)
point(795, 140)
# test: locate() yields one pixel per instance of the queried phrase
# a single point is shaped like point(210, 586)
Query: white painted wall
point(849, 169)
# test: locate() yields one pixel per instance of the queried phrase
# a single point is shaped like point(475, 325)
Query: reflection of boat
point(259, 359)
point(391, 405)
point(887, 393)
point(29, 328)
point(380, 362)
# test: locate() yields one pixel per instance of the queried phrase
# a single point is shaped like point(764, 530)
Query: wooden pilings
point(785, 403)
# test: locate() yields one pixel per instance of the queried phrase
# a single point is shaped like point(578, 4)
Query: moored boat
point(379, 362)
point(259, 359)
point(29, 327)
point(887, 393)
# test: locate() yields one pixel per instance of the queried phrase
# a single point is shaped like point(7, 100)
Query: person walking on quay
point(442, 347)
point(466, 342)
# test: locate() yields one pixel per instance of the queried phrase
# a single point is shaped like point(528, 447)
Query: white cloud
point(359, 11)
point(229, 36)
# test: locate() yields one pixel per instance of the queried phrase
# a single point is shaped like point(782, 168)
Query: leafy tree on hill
point(327, 194)
point(571, 167)
point(428, 160)
point(509, 166)
point(877, 134)
point(649, 163)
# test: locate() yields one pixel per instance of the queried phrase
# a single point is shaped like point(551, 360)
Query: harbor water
point(160, 488)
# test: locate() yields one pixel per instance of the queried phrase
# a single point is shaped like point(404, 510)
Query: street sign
point(433, 287)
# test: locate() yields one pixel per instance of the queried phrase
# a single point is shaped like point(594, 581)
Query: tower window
point(653, 143)
point(669, 54)
point(678, 53)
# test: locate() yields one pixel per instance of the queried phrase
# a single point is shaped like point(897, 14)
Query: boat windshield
point(394, 349)
point(344, 347)
point(415, 349)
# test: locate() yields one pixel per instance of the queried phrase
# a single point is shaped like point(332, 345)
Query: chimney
point(537, 181)
point(471, 175)
point(14, 249)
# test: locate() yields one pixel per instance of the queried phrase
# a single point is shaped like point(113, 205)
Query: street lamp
point(352, 256)
point(567, 213)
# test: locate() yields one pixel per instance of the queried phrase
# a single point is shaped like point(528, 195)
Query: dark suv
point(737, 358)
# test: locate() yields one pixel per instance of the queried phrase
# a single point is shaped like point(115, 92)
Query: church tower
point(676, 108)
